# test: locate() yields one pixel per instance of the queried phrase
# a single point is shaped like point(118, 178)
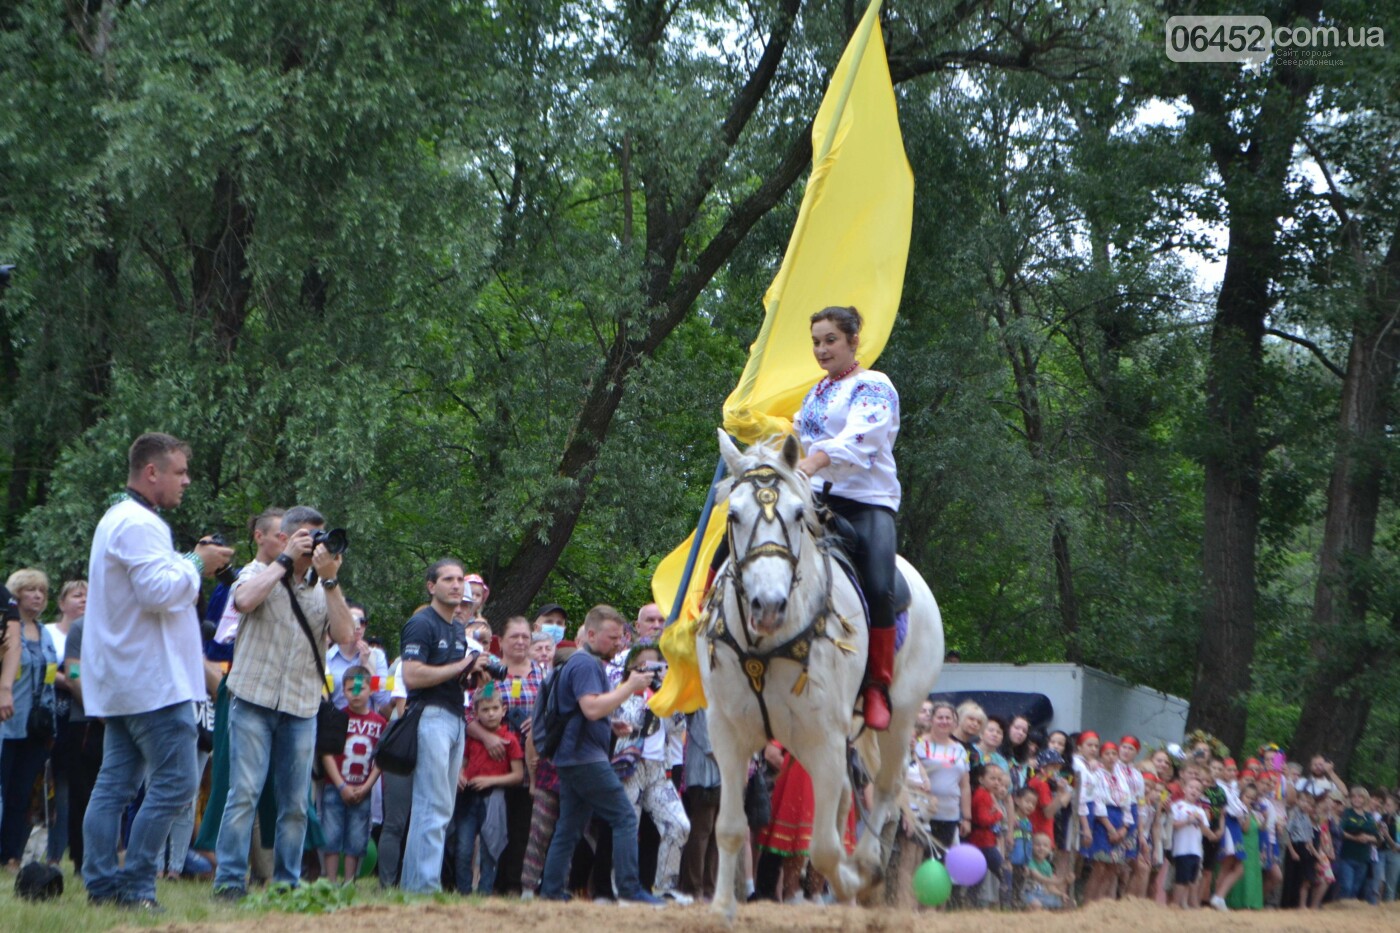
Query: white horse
point(782, 655)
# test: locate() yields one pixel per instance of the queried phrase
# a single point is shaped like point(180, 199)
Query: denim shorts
point(346, 827)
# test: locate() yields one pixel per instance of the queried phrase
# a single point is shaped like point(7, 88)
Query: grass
point(184, 902)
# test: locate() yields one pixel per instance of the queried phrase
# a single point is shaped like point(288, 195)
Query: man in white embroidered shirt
point(275, 687)
point(142, 627)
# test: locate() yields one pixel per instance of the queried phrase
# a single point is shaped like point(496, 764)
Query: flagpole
point(695, 544)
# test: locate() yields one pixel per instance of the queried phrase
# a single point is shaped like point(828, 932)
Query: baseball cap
point(551, 607)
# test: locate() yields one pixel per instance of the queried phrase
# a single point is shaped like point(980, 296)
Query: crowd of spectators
point(623, 809)
point(1068, 818)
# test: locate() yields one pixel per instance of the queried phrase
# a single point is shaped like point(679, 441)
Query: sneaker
point(230, 894)
point(677, 897)
point(641, 899)
point(145, 905)
point(527, 895)
point(1219, 904)
point(102, 900)
point(562, 898)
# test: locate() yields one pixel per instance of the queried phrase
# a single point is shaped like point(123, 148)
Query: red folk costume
point(789, 833)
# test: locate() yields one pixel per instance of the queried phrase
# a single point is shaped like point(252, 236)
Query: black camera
point(657, 671)
point(336, 540)
point(493, 669)
point(225, 574)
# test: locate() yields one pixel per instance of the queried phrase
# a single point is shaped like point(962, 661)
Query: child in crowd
point(1271, 820)
point(1022, 839)
point(1326, 877)
point(1043, 889)
point(1301, 839)
point(1190, 828)
point(1232, 841)
point(1214, 797)
point(1106, 800)
point(481, 804)
point(988, 825)
point(350, 777)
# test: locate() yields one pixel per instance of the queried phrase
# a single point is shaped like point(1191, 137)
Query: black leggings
point(873, 554)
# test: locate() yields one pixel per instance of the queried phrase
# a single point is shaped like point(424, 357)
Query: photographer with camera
point(641, 758)
point(290, 608)
point(437, 669)
point(587, 782)
point(142, 671)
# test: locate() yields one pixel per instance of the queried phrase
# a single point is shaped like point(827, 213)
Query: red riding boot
point(879, 670)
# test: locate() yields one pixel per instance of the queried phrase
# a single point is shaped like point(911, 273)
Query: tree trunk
point(219, 272)
point(1333, 718)
point(1253, 161)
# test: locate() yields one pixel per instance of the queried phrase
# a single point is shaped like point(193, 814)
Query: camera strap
point(316, 653)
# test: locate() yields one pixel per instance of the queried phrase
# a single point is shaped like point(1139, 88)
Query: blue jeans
point(469, 820)
point(1351, 878)
point(1391, 860)
point(584, 790)
point(162, 742)
point(258, 738)
point(346, 827)
point(21, 763)
point(171, 857)
point(442, 738)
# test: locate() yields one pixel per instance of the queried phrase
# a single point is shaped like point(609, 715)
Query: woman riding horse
point(848, 424)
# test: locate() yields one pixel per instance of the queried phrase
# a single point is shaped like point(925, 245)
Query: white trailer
point(1069, 697)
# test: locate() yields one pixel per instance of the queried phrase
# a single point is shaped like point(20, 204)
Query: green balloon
point(372, 858)
point(932, 886)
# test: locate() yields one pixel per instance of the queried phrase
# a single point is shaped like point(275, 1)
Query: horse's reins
point(798, 648)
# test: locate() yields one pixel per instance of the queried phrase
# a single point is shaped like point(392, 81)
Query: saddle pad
point(902, 595)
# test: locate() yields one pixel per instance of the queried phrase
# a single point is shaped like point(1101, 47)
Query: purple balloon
point(966, 864)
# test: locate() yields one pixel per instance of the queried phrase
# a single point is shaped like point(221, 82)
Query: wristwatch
point(330, 584)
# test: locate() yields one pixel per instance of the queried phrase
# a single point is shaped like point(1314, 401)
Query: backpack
point(549, 722)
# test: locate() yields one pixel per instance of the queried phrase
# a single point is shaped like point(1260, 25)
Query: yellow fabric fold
point(848, 247)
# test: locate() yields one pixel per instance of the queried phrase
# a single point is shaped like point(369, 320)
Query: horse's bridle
point(764, 479)
point(798, 648)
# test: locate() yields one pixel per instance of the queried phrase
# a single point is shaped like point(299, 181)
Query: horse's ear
point(792, 451)
point(730, 453)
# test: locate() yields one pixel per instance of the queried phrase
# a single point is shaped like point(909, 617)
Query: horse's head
point(770, 511)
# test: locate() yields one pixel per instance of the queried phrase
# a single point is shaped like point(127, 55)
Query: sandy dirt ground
point(772, 918)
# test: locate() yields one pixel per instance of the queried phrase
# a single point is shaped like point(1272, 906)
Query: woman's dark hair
point(1019, 753)
point(847, 320)
point(1000, 721)
point(637, 649)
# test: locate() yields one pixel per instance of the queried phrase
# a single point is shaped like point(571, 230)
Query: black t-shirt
point(430, 639)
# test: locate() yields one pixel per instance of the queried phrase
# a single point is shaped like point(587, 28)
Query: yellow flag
point(849, 244)
point(848, 247)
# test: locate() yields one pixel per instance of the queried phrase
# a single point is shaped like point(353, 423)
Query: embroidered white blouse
point(854, 421)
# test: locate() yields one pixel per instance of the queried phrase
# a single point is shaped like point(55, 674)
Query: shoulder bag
point(398, 747)
point(40, 725)
point(331, 723)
